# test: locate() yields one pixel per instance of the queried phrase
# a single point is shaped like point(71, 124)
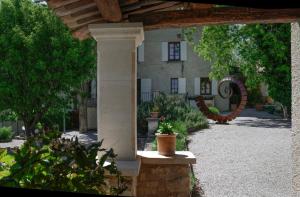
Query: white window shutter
point(141, 53)
point(146, 89)
point(181, 85)
point(197, 86)
point(183, 50)
point(164, 51)
point(214, 87)
point(94, 89)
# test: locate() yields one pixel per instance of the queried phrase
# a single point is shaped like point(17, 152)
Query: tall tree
point(260, 52)
point(40, 62)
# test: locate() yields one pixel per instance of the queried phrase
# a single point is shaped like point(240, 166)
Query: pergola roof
point(78, 14)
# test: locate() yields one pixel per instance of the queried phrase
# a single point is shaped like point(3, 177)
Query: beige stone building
point(166, 63)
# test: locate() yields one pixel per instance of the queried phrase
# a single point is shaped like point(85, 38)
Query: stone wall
point(164, 176)
point(295, 49)
point(163, 180)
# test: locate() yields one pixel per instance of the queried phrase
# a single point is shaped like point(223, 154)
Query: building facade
point(167, 63)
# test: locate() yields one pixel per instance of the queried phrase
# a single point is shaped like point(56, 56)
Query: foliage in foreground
point(260, 52)
point(53, 163)
point(6, 133)
point(41, 64)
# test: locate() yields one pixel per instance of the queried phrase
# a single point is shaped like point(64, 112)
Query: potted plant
point(155, 112)
point(259, 105)
point(166, 139)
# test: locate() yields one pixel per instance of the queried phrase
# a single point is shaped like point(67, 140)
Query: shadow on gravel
point(264, 123)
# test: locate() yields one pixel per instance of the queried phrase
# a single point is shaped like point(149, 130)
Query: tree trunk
point(82, 100)
point(29, 130)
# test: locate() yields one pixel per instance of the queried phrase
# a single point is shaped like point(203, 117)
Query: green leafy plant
point(6, 133)
point(6, 161)
point(260, 52)
point(155, 108)
point(54, 163)
point(214, 110)
point(166, 127)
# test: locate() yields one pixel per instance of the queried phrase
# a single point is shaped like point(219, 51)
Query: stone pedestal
point(164, 176)
point(152, 126)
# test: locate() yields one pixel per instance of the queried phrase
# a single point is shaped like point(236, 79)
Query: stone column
point(116, 82)
point(295, 50)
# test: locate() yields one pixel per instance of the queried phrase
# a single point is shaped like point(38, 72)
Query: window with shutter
point(174, 85)
point(174, 51)
point(205, 86)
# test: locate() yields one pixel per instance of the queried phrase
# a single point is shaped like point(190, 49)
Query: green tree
point(260, 52)
point(40, 62)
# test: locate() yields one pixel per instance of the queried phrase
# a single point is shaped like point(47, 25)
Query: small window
point(174, 51)
point(205, 86)
point(174, 85)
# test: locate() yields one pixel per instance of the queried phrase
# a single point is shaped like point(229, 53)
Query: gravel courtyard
point(249, 157)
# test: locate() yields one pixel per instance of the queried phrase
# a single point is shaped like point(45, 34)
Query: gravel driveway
point(249, 157)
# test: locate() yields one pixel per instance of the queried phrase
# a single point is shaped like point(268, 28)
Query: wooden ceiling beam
point(222, 15)
point(157, 7)
point(110, 10)
point(70, 18)
point(58, 3)
point(63, 11)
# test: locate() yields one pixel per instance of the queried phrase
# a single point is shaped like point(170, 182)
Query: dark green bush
point(52, 163)
point(6, 133)
point(54, 118)
point(214, 110)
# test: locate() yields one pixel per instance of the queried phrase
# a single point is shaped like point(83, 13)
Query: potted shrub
point(166, 139)
point(6, 134)
point(155, 112)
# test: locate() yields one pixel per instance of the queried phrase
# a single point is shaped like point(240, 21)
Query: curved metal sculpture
point(225, 118)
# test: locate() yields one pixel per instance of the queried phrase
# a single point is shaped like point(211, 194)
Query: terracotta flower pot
point(154, 114)
point(259, 107)
point(166, 144)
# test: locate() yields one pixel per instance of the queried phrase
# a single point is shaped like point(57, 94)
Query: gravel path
point(249, 157)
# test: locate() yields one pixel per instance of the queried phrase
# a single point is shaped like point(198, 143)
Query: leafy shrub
point(54, 117)
point(8, 115)
point(195, 120)
point(6, 133)
point(214, 110)
point(6, 161)
point(50, 162)
point(173, 108)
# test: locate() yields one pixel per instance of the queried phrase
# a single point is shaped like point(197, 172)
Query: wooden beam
point(63, 11)
point(110, 10)
point(221, 15)
point(159, 6)
point(59, 3)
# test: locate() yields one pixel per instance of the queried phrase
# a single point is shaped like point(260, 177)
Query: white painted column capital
point(118, 31)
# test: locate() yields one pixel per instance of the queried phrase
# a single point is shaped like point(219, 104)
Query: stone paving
point(250, 157)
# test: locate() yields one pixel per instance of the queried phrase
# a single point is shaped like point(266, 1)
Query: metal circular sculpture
point(225, 118)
